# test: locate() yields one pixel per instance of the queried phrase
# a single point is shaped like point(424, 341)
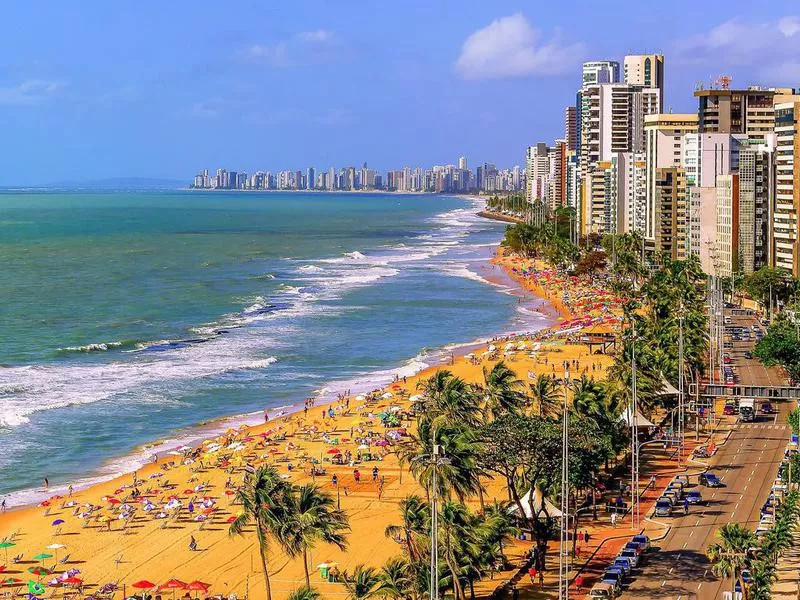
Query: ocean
point(128, 318)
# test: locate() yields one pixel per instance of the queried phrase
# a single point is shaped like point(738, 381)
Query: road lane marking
point(671, 570)
point(663, 583)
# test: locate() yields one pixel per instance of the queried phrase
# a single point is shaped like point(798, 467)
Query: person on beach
point(374, 473)
point(335, 480)
point(46, 484)
point(357, 475)
point(3, 505)
point(266, 417)
point(69, 489)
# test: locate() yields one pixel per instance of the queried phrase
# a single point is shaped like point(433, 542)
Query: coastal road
point(747, 464)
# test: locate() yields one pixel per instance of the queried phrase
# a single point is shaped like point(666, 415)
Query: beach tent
point(641, 420)
point(667, 389)
point(540, 505)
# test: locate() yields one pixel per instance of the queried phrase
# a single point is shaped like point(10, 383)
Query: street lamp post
point(634, 436)
point(563, 551)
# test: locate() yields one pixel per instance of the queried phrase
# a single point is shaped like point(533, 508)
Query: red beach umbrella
point(334, 451)
point(143, 585)
point(198, 586)
point(72, 581)
point(173, 584)
point(230, 519)
point(113, 501)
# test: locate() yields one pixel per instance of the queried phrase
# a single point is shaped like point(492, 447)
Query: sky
point(95, 90)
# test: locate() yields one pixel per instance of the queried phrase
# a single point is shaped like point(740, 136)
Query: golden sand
point(158, 549)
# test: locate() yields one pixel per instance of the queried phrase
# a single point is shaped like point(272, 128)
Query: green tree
point(729, 556)
point(264, 498)
point(544, 394)
point(395, 577)
point(781, 346)
point(364, 582)
point(501, 391)
point(413, 531)
point(305, 593)
point(313, 517)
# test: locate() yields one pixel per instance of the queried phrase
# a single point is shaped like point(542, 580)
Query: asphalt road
point(750, 370)
point(677, 567)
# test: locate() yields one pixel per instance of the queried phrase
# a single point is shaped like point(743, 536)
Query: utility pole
point(563, 550)
point(634, 436)
point(435, 524)
point(680, 387)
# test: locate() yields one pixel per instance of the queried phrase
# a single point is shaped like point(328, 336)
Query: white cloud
point(511, 47)
point(763, 46)
point(31, 91)
point(298, 49)
point(789, 26)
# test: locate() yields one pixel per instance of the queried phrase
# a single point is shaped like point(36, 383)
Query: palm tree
point(729, 555)
point(501, 390)
point(460, 473)
point(263, 500)
point(313, 517)
point(543, 391)
point(416, 521)
point(449, 399)
point(395, 578)
point(364, 582)
point(305, 593)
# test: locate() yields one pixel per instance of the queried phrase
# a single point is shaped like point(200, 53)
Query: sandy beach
point(139, 526)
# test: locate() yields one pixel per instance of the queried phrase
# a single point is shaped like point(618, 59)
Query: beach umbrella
point(72, 581)
point(198, 586)
point(143, 585)
point(42, 556)
point(172, 584)
point(230, 519)
point(39, 571)
point(56, 547)
point(12, 581)
point(113, 501)
point(334, 451)
point(35, 588)
point(58, 522)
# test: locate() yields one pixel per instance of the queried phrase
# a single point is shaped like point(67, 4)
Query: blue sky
point(92, 90)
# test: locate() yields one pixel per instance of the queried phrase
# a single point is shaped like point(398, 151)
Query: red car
point(729, 409)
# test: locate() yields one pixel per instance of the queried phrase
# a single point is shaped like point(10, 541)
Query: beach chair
point(64, 560)
point(17, 559)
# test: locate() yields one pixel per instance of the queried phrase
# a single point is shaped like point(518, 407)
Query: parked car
point(643, 541)
point(709, 480)
point(767, 408)
point(730, 409)
point(622, 563)
point(663, 508)
point(633, 546)
point(632, 555)
point(613, 577)
point(603, 591)
point(748, 355)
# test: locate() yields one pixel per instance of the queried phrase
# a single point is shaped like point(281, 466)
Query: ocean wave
point(98, 347)
point(310, 269)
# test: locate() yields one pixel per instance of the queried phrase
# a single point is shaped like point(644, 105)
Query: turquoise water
point(132, 317)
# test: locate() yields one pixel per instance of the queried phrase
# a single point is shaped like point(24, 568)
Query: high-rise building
point(570, 128)
point(646, 70)
point(664, 139)
point(671, 208)
point(750, 111)
point(599, 71)
point(310, 178)
point(726, 246)
point(786, 210)
point(756, 168)
point(537, 171)
point(462, 162)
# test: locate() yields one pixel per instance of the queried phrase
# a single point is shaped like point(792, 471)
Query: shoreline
point(230, 564)
point(195, 434)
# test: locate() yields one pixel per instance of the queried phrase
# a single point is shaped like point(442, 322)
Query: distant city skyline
point(93, 93)
point(457, 177)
